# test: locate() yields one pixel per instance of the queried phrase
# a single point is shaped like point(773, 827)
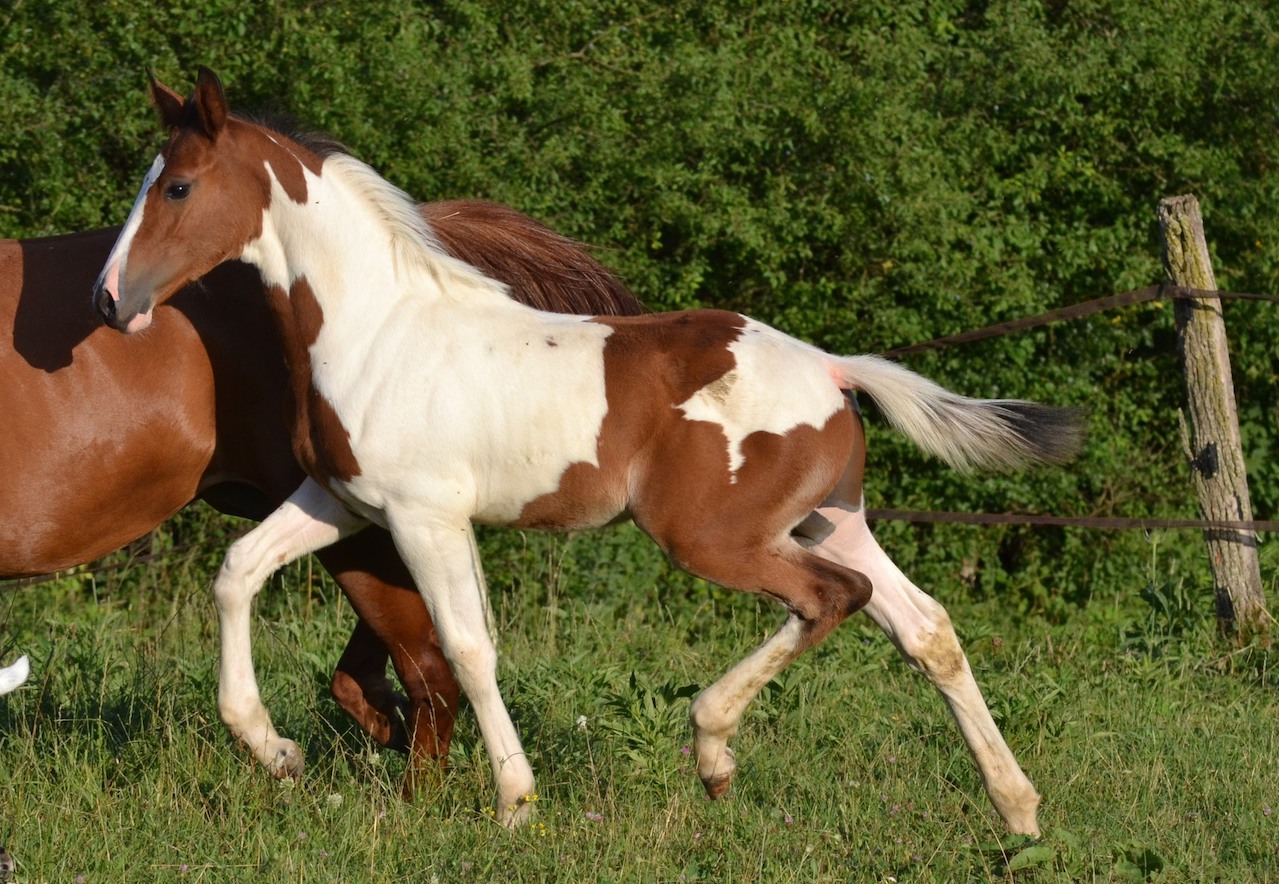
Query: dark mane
point(283, 123)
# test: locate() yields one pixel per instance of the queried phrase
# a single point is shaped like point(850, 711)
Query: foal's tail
point(987, 434)
point(11, 677)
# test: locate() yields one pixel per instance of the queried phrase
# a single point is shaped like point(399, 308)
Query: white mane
point(414, 246)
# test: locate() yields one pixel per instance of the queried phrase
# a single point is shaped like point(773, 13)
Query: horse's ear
point(169, 103)
point(210, 102)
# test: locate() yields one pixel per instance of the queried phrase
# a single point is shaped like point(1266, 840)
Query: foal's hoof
point(518, 814)
point(717, 785)
point(716, 768)
point(287, 761)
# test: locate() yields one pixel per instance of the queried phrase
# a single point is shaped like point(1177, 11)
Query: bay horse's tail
point(987, 434)
point(11, 677)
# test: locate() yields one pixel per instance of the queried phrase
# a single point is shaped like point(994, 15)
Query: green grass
point(1154, 749)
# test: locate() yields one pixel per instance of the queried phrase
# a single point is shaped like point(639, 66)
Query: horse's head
point(196, 208)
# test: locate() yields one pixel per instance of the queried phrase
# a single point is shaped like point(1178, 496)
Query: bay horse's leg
point(308, 520)
point(921, 630)
point(392, 618)
point(362, 690)
point(445, 564)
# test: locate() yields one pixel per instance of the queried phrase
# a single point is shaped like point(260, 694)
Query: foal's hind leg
point(308, 520)
point(818, 594)
point(922, 632)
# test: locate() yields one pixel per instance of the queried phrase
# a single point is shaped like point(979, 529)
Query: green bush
point(865, 176)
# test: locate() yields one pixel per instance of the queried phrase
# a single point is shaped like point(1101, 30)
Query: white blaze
point(113, 273)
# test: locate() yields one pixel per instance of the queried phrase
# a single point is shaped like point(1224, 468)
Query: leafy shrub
point(864, 175)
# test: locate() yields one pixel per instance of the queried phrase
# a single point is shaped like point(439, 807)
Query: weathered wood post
point(1212, 434)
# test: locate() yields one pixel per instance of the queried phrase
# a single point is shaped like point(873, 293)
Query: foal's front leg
point(12, 676)
point(309, 520)
point(441, 554)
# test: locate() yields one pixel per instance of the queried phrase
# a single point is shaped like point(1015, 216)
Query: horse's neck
point(348, 282)
point(325, 243)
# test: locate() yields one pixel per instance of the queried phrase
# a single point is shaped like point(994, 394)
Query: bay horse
point(100, 448)
point(428, 400)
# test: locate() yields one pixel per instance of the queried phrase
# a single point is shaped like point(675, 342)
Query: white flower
point(581, 722)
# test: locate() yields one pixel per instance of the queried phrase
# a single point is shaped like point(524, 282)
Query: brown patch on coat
point(320, 442)
point(287, 159)
point(737, 534)
point(651, 364)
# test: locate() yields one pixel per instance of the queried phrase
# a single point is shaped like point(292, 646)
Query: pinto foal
point(428, 399)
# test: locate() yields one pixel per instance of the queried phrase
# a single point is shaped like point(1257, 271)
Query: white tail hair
point(986, 434)
point(11, 677)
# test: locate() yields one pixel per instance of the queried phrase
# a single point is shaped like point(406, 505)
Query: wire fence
point(1236, 530)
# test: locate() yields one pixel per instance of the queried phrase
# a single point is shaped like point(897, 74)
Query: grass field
point(1155, 749)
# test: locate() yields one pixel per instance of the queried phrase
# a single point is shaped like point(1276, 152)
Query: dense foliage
point(863, 175)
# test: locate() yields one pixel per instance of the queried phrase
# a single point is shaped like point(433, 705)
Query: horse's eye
point(178, 191)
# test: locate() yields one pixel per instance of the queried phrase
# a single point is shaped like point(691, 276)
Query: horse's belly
point(580, 495)
point(480, 435)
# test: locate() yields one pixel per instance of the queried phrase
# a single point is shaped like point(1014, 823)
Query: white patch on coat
point(775, 386)
point(447, 388)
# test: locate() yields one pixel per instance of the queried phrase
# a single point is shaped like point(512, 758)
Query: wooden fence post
point(1212, 435)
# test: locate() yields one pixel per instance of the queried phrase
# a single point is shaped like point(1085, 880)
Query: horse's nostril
point(105, 303)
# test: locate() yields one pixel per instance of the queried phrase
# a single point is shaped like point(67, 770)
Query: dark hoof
point(717, 785)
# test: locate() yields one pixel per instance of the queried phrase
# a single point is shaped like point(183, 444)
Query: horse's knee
point(471, 659)
point(374, 705)
point(237, 577)
point(346, 692)
point(709, 717)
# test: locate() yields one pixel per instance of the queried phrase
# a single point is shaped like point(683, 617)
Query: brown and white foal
point(428, 399)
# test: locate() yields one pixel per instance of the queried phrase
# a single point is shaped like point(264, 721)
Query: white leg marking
point(309, 520)
point(717, 711)
point(921, 630)
point(445, 564)
point(12, 677)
